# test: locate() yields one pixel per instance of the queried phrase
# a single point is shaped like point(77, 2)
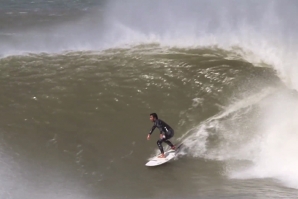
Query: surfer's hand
point(161, 136)
point(148, 137)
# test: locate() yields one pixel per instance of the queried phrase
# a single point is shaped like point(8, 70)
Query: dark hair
point(154, 115)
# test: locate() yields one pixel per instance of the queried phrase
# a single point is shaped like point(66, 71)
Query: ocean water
point(80, 78)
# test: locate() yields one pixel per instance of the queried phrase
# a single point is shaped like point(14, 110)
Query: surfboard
point(170, 154)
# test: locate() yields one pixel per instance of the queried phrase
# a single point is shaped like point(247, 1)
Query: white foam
point(275, 144)
point(260, 145)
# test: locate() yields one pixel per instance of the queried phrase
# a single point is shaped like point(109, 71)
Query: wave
point(260, 129)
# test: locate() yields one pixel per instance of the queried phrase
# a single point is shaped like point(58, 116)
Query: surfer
point(166, 132)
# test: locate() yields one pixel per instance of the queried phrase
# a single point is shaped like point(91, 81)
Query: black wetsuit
point(165, 129)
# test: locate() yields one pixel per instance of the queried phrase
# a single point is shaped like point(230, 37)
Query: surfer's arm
point(150, 132)
point(152, 129)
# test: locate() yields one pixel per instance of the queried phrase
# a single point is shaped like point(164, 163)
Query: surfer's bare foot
point(173, 148)
point(162, 156)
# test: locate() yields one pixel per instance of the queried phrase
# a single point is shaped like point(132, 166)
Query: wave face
point(80, 79)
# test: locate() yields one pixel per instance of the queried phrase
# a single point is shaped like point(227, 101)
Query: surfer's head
point(153, 117)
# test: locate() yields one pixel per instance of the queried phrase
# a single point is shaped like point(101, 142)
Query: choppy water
point(79, 79)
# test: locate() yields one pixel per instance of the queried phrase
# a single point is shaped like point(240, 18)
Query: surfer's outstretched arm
point(151, 131)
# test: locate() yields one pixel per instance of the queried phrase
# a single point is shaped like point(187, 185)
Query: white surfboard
point(170, 154)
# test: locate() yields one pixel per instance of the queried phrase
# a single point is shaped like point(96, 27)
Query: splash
point(256, 137)
point(275, 145)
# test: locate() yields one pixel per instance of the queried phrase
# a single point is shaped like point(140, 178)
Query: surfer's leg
point(159, 144)
point(171, 134)
point(169, 143)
